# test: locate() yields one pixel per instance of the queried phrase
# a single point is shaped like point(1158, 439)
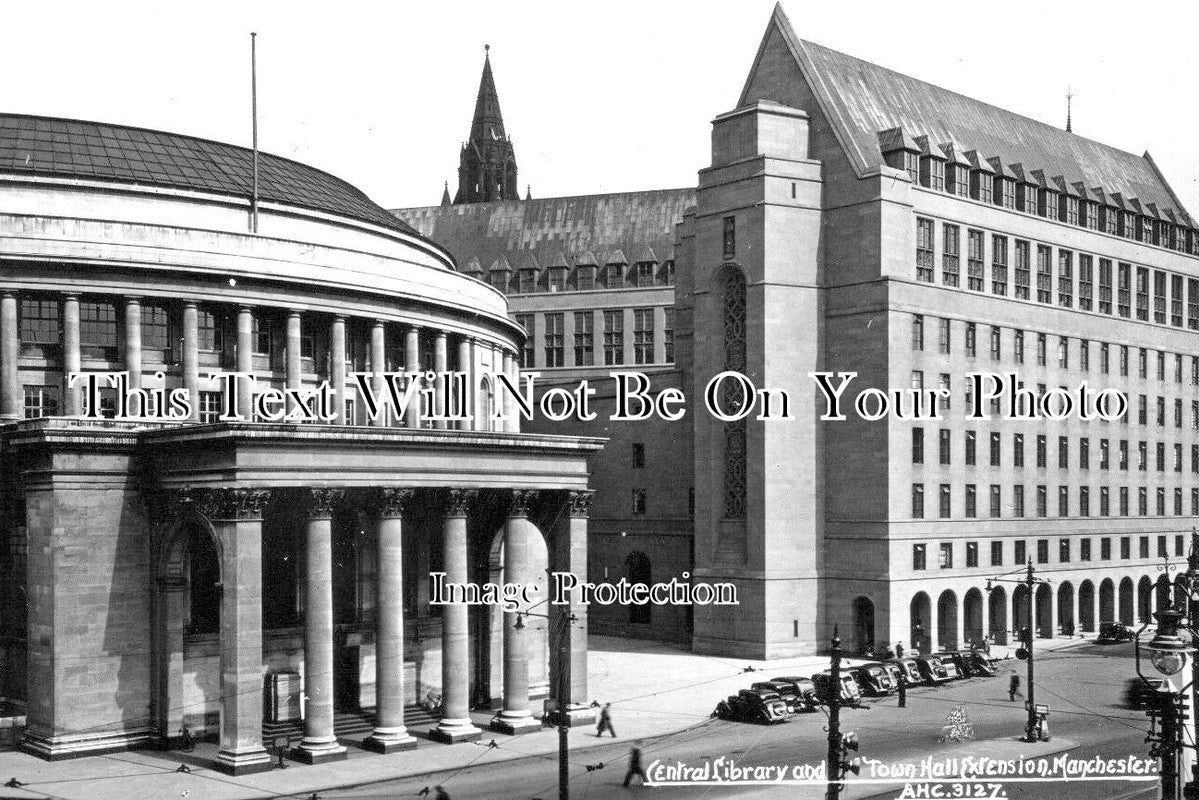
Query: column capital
point(378, 323)
point(413, 327)
point(190, 304)
point(521, 500)
point(69, 295)
point(460, 501)
point(293, 312)
point(441, 334)
point(580, 502)
point(8, 294)
point(394, 500)
point(322, 501)
point(339, 318)
point(132, 299)
point(225, 503)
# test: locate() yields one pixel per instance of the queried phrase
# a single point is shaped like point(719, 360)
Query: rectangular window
point(528, 354)
point(1018, 449)
point(614, 337)
point(1084, 550)
point(919, 557)
point(1071, 206)
point(1018, 500)
point(996, 500)
point(730, 238)
point(98, 329)
point(944, 446)
point(1041, 349)
point(950, 254)
point(974, 260)
point(643, 336)
point(1084, 453)
point(1193, 303)
point(971, 500)
point(1124, 501)
point(1176, 301)
point(1065, 278)
point(1123, 289)
point(1063, 551)
point(945, 559)
point(1022, 270)
point(40, 401)
point(918, 501)
point(944, 338)
point(1063, 501)
point(996, 553)
point(1063, 452)
point(917, 445)
point(1021, 554)
point(1084, 355)
point(971, 339)
point(1042, 551)
point(1044, 274)
point(1125, 547)
point(918, 332)
point(924, 249)
point(1105, 286)
point(1084, 501)
point(1042, 501)
point(1159, 297)
point(1123, 454)
point(1124, 361)
point(263, 335)
point(1018, 347)
point(638, 503)
point(981, 185)
point(210, 331)
point(584, 277)
point(1104, 501)
point(995, 448)
point(668, 335)
point(1143, 293)
point(998, 264)
point(40, 322)
point(1063, 352)
point(1086, 285)
point(156, 333)
point(946, 501)
point(526, 281)
point(210, 407)
point(1105, 548)
point(1104, 454)
point(971, 449)
point(1042, 458)
point(584, 339)
point(996, 343)
point(971, 554)
point(555, 339)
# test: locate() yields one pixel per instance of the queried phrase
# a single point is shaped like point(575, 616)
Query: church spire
point(487, 164)
point(445, 194)
point(1069, 102)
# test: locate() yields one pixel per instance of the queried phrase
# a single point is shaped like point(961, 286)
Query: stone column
point(236, 516)
point(516, 717)
point(293, 367)
point(378, 366)
point(500, 405)
point(455, 725)
point(72, 361)
point(412, 365)
point(390, 733)
point(191, 355)
point(571, 556)
point(440, 365)
point(11, 401)
point(337, 368)
point(245, 361)
point(319, 743)
point(466, 367)
point(133, 344)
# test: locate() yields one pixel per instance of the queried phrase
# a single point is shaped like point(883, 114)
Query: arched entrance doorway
point(972, 610)
point(1126, 601)
point(947, 620)
point(1144, 598)
point(863, 624)
point(1086, 606)
point(1065, 608)
point(920, 615)
point(637, 570)
point(997, 624)
point(1107, 600)
point(1044, 612)
point(535, 624)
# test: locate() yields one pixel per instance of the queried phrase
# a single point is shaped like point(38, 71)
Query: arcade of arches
point(953, 618)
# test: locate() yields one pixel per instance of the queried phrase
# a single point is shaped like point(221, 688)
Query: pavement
point(655, 689)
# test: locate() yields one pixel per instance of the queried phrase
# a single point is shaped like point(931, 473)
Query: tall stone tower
point(487, 164)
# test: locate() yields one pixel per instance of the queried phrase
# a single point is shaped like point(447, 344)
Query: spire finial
point(1069, 99)
point(486, 50)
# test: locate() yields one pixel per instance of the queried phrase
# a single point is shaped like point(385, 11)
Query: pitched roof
point(99, 151)
point(861, 99)
point(578, 226)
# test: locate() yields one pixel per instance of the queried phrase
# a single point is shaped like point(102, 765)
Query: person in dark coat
point(605, 722)
point(899, 649)
point(635, 767)
point(1013, 688)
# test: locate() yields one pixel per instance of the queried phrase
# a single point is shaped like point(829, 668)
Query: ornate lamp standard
point(1169, 655)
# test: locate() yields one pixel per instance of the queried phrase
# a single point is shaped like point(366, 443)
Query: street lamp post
point(833, 764)
point(1168, 653)
point(1191, 581)
point(560, 631)
point(1030, 580)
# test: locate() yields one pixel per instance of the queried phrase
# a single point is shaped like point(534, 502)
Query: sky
point(597, 97)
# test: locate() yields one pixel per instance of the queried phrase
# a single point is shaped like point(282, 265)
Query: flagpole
point(254, 116)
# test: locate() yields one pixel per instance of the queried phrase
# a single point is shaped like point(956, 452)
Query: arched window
point(485, 404)
point(203, 578)
point(638, 569)
point(733, 296)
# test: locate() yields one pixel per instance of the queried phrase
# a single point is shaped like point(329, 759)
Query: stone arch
point(997, 624)
point(486, 404)
point(638, 569)
point(1144, 599)
point(972, 613)
point(1126, 601)
point(1065, 608)
point(1044, 618)
point(920, 615)
point(1107, 600)
point(863, 623)
point(1086, 606)
point(536, 626)
point(947, 620)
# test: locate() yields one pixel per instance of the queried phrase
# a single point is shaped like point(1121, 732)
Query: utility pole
point(1030, 582)
point(833, 764)
point(562, 624)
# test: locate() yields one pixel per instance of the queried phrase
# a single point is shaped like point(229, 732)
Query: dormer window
point(498, 280)
point(526, 281)
point(645, 273)
point(585, 277)
point(1128, 225)
point(981, 185)
point(932, 173)
point(1028, 198)
point(1111, 220)
point(1047, 204)
point(1005, 192)
point(1148, 231)
point(900, 151)
point(959, 177)
point(556, 277)
point(1090, 214)
point(614, 276)
point(1069, 209)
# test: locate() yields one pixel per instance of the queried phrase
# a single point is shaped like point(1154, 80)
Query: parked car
point(911, 669)
point(786, 692)
point(1113, 632)
point(932, 670)
point(873, 680)
point(803, 688)
point(1139, 693)
point(981, 665)
point(850, 693)
point(951, 663)
point(753, 705)
point(894, 671)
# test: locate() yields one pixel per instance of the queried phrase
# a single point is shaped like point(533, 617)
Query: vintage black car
point(1140, 693)
point(932, 670)
point(802, 687)
point(753, 705)
point(960, 662)
point(873, 680)
point(910, 668)
point(1113, 632)
point(791, 698)
point(850, 693)
point(980, 665)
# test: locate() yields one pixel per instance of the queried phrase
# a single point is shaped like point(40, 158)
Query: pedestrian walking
point(903, 690)
point(605, 722)
point(899, 649)
point(1013, 688)
point(441, 793)
point(635, 767)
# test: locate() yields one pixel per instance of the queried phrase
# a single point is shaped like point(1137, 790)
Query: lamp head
point(1167, 650)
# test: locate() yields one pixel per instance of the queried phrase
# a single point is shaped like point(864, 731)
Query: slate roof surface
point(863, 99)
point(69, 148)
point(600, 224)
